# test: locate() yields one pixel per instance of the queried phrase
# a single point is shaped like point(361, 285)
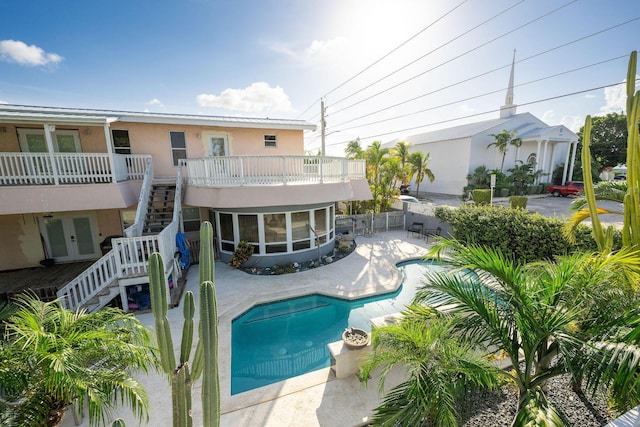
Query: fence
point(362, 224)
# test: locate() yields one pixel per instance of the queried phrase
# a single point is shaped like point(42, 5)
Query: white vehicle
point(409, 199)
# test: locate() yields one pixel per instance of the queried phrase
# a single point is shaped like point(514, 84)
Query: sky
point(386, 69)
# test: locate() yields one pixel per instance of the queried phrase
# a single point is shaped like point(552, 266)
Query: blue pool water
point(283, 339)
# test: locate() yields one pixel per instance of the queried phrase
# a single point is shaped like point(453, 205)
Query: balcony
point(52, 182)
point(260, 181)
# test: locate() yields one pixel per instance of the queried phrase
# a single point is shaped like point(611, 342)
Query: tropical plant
point(502, 141)
point(51, 357)
point(401, 151)
point(522, 175)
point(354, 150)
point(420, 168)
point(206, 354)
point(631, 200)
point(440, 368)
point(241, 254)
point(541, 316)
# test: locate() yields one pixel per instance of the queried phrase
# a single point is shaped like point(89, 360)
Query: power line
point(482, 113)
point(428, 53)
point(458, 56)
point(469, 98)
point(395, 49)
point(497, 69)
point(383, 57)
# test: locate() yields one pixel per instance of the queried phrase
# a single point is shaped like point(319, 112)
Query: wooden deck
point(45, 282)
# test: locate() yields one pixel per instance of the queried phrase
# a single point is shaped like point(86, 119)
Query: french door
point(70, 237)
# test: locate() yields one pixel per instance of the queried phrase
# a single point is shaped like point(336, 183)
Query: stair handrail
point(90, 282)
point(135, 229)
point(167, 237)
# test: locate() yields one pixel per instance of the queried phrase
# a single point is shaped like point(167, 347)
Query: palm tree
point(549, 318)
point(51, 357)
point(401, 152)
point(440, 370)
point(420, 168)
point(502, 142)
point(376, 157)
point(354, 150)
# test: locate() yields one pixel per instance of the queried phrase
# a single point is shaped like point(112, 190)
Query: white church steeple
point(509, 108)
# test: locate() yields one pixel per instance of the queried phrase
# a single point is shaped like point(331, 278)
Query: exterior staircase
point(159, 208)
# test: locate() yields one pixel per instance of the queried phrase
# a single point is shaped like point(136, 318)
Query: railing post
point(117, 246)
point(284, 170)
point(47, 136)
point(107, 137)
point(321, 169)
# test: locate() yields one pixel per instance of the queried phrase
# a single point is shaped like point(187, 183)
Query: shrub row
point(520, 235)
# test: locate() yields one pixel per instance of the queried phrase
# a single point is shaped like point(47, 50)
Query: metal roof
point(24, 114)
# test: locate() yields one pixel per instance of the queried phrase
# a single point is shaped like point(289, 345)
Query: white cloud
point(257, 98)
point(29, 55)
point(155, 101)
point(615, 99)
point(317, 50)
point(574, 123)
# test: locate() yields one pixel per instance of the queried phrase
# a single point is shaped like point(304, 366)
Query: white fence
point(271, 170)
point(69, 168)
point(363, 224)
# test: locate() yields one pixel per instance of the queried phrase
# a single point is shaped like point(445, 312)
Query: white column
point(109, 142)
point(573, 159)
point(566, 163)
point(48, 131)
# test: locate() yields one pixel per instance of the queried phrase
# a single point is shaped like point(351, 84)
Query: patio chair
point(431, 232)
point(416, 228)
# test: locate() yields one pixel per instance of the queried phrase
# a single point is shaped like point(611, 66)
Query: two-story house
point(110, 187)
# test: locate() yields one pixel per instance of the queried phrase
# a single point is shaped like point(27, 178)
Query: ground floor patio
point(314, 399)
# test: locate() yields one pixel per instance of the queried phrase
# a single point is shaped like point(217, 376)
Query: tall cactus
point(206, 354)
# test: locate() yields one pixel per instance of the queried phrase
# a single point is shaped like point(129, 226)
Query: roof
point(31, 114)
point(524, 120)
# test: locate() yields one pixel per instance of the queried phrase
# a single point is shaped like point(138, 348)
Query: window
point(121, 143)
point(191, 219)
point(226, 232)
point(270, 141)
point(178, 146)
point(275, 232)
point(64, 141)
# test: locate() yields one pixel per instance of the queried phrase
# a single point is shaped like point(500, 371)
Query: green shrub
point(523, 236)
point(518, 202)
point(242, 253)
point(481, 196)
point(286, 268)
point(504, 192)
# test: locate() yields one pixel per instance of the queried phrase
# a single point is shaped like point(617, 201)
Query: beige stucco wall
point(20, 243)
point(91, 137)
point(154, 139)
point(9, 139)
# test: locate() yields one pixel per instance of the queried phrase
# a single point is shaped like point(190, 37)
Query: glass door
point(70, 237)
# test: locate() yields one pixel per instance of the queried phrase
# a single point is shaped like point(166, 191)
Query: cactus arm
point(206, 252)
point(119, 423)
point(189, 309)
point(209, 338)
point(157, 287)
point(197, 365)
point(589, 195)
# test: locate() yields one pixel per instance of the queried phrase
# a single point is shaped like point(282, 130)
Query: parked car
point(621, 177)
point(571, 189)
point(409, 199)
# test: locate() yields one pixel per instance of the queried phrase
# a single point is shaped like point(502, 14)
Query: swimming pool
point(279, 340)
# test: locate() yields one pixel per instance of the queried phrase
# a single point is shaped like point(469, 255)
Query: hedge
point(520, 235)
point(481, 196)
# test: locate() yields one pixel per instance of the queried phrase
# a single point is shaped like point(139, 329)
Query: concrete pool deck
point(314, 399)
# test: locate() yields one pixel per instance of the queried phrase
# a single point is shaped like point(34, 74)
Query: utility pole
point(323, 123)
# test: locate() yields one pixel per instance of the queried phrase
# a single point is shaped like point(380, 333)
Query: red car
point(572, 188)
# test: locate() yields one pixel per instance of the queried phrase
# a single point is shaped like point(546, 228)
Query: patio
point(314, 399)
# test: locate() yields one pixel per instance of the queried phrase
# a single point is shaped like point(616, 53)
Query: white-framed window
point(121, 142)
point(178, 146)
point(532, 159)
point(191, 218)
point(270, 141)
point(64, 141)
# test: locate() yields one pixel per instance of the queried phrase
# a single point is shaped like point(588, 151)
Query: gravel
point(498, 409)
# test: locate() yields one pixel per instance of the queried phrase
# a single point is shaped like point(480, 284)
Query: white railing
point(135, 229)
point(271, 170)
point(129, 256)
point(91, 281)
point(68, 168)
